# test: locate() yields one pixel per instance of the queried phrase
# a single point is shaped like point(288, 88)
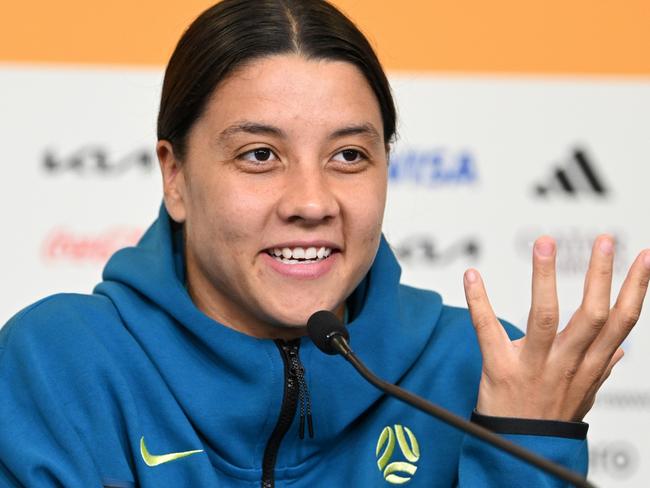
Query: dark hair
point(234, 32)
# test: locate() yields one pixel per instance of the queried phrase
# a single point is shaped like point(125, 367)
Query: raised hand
point(551, 375)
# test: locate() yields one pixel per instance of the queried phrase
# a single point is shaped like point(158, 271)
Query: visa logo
point(433, 167)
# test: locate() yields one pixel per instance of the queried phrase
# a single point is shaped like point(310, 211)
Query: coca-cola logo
point(573, 247)
point(96, 159)
point(65, 245)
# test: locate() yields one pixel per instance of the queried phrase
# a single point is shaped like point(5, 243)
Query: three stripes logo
point(577, 176)
point(401, 471)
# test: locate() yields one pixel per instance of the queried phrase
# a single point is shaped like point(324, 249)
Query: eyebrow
point(251, 128)
point(248, 127)
point(365, 129)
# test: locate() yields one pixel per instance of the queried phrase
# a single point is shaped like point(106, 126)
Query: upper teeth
point(301, 252)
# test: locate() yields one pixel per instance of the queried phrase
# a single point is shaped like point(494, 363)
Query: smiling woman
point(274, 132)
point(281, 143)
point(294, 163)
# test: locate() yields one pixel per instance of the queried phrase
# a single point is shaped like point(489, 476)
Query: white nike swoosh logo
point(158, 459)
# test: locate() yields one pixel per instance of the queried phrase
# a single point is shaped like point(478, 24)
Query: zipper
point(303, 397)
point(295, 391)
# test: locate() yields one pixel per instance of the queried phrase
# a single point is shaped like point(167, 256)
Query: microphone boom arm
point(342, 346)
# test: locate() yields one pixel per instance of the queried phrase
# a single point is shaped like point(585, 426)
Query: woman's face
point(282, 193)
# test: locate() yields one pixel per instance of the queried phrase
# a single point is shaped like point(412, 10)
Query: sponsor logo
point(618, 459)
point(152, 460)
point(94, 159)
point(433, 167)
point(624, 400)
point(575, 176)
point(64, 245)
point(573, 248)
point(423, 249)
point(396, 470)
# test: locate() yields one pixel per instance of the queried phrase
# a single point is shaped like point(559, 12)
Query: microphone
point(330, 336)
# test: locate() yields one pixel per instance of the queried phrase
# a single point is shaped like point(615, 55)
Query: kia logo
point(97, 160)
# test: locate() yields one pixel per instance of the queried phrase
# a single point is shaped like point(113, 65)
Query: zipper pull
point(303, 395)
point(310, 422)
point(305, 404)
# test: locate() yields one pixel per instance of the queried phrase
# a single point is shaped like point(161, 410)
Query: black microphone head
point(322, 326)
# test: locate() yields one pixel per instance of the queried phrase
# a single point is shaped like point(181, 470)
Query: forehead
point(292, 90)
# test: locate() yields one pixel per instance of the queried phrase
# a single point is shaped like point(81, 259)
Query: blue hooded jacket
point(135, 386)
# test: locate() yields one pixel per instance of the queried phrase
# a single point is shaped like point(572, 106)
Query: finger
point(618, 355)
point(593, 313)
point(544, 315)
point(492, 338)
point(591, 395)
point(600, 375)
point(627, 309)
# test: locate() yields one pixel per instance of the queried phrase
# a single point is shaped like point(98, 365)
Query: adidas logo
point(577, 176)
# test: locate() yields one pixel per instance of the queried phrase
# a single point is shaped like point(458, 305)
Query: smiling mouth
point(300, 255)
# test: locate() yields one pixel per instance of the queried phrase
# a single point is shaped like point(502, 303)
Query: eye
point(349, 156)
point(259, 155)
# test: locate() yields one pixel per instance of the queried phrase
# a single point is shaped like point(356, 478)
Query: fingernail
point(470, 276)
point(544, 248)
point(646, 259)
point(606, 246)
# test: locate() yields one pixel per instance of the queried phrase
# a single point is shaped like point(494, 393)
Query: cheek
point(226, 211)
point(366, 207)
point(365, 212)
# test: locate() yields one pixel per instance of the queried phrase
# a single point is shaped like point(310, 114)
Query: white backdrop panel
point(473, 152)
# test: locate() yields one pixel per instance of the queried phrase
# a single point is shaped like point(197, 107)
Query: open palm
point(551, 375)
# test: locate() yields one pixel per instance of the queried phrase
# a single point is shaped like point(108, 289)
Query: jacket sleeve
point(563, 443)
point(39, 446)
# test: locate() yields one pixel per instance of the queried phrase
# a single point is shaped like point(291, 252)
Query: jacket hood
point(202, 360)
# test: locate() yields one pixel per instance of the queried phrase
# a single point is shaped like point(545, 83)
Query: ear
point(174, 188)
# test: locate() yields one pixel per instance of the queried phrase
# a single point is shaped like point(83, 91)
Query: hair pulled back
point(234, 32)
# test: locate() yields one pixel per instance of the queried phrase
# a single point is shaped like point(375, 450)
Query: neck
point(247, 323)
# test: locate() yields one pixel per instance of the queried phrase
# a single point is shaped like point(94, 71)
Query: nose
point(308, 197)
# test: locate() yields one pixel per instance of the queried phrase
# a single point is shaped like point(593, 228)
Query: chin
point(295, 320)
point(299, 317)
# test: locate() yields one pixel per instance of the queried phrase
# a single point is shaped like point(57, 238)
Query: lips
point(302, 260)
point(300, 255)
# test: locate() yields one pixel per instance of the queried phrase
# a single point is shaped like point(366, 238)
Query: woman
point(188, 365)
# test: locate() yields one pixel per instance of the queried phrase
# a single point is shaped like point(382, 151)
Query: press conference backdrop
point(516, 119)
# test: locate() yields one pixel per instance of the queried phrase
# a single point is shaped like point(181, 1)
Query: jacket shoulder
point(449, 319)
point(417, 304)
point(57, 319)
point(453, 317)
